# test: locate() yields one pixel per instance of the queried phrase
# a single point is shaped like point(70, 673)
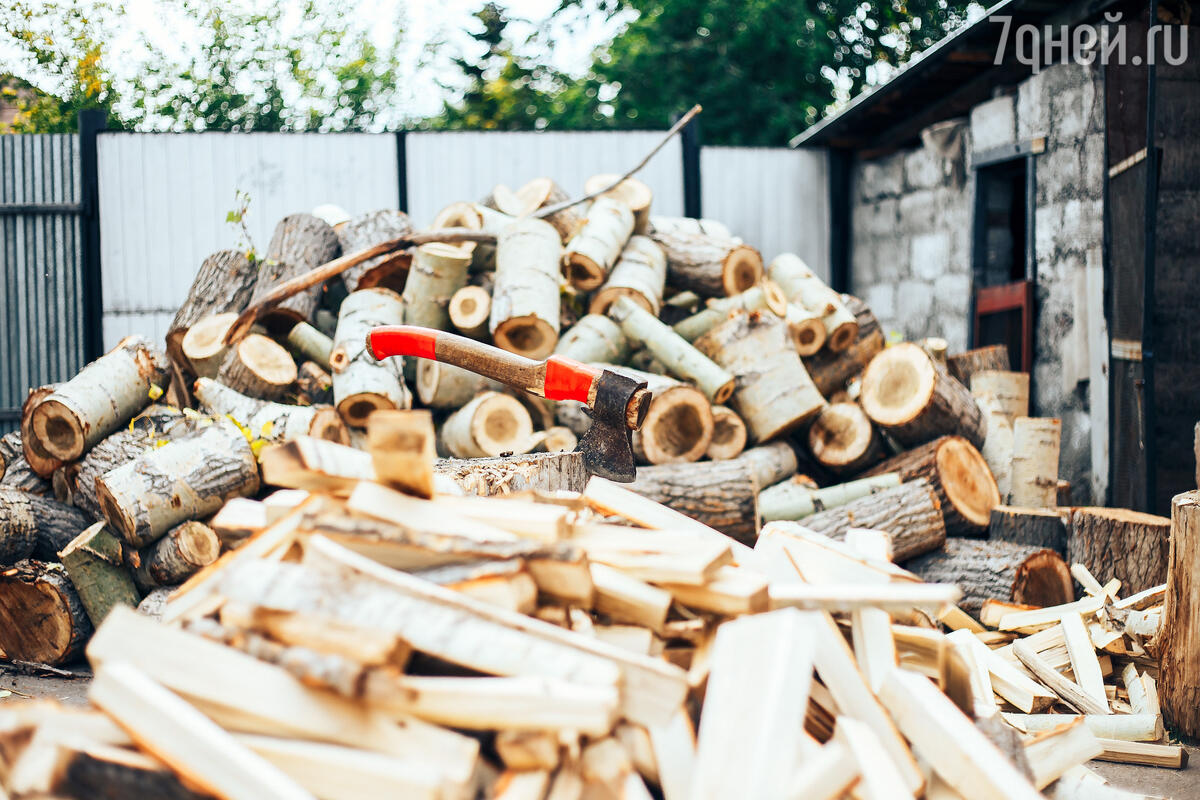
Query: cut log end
point(967, 481)
point(1043, 579)
point(843, 439)
point(259, 367)
point(43, 619)
point(204, 343)
point(470, 308)
point(58, 430)
point(729, 434)
point(529, 336)
point(808, 336)
point(501, 426)
point(678, 427)
point(328, 424)
point(603, 299)
point(356, 408)
point(742, 269)
point(841, 337)
point(897, 385)
point(583, 273)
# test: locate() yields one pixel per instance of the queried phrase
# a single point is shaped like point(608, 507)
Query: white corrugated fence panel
point(776, 200)
point(444, 167)
point(164, 199)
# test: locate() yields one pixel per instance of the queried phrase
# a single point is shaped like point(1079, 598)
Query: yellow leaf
point(155, 391)
point(267, 427)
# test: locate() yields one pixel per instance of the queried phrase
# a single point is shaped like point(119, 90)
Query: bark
point(542, 192)
point(1032, 526)
point(807, 330)
point(184, 479)
point(301, 243)
point(259, 367)
point(964, 365)
point(15, 472)
point(909, 513)
point(721, 494)
point(640, 274)
point(594, 338)
point(594, 250)
point(314, 384)
point(104, 773)
point(469, 310)
point(997, 570)
point(832, 371)
point(709, 265)
point(1009, 391)
point(843, 440)
point(32, 525)
point(774, 394)
point(224, 283)
point(271, 422)
point(679, 425)
point(997, 448)
point(798, 498)
point(546, 472)
point(105, 395)
point(710, 227)
point(447, 386)
point(1179, 637)
point(801, 285)
point(178, 555)
point(1035, 462)
point(771, 463)
point(39, 459)
point(370, 229)
point(912, 400)
point(203, 346)
point(729, 434)
point(1117, 543)
point(437, 272)
point(958, 474)
point(525, 299)
point(309, 343)
point(95, 562)
point(120, 448)
point(41, 617)
point(490, 425)
point(681, 358)
point(764, 296)
point(362, 384)
point(630, 191)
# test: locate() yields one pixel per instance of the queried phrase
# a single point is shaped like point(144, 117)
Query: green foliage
point(237, 218)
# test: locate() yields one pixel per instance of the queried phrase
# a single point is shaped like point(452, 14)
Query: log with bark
point(710, 227)
point(1118, 543)
point(491, 424)
point(470, 307)
point(965, 487)
point(997, 570)
point(631, 192)
point(592, 252)
point(763, 296)
point(728, 436)
point(1034, 472)
point(708, 265)
point(1008, 390)
point(179, 554)
point(37, 457)
point(203, 346)
point(41, 617)
point(259, 367)
point(314, 384)
point(32, 525)
point(15, 472)
point(913, 401)
point(832, 371)
point(224, 283)
point(117, 449)
point(387, 270)
point(540, 193)
point(964, 365)
point(546, 472)
point(1032, 526)
point(525, 298)
point(721, 494)
point(679, 425)
point(184, 479)
point(594, 337)
point(774, 394)
point(997, 448)
point(300, 243)
point(441, 385)
point(843, 439)
point(362, 384)
point(801, 285)
point(798, 498)
point(307, 342)
point(1179, 637)
point(771, 463)
point(807, 329)
point(437, 272)
point(102, 397)
point(640, 273)
point(95, 562)
point(269, 421)
point(909, 513)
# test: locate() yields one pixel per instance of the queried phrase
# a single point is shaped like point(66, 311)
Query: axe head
point(607, 446)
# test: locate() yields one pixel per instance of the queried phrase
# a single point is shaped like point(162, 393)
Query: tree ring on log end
point(898, 384)
point(610, 294)
point(327, 424)
point(841, 436)
point(501, 425)
point(58, 430)
point(729, 434)
point(583, 273)
point(843, 336)
point(357, 407)
point(742, 269)
point(529, 336)
point(678, 427)
point(967, 481)
point(1043, 580)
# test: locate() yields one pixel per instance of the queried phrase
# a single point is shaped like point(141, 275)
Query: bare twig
point(682, 123)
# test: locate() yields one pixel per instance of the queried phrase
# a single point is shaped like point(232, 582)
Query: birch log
point(179, 554)
point(259, 367)
point(771, 463)
point(309, 343)
point(184, 479)
point(721, 494)
point(15, 472)
point(1179, 640)
point(492, 424)
point(711, 227)
point(729, 434)
point(709, 265)
point(203, 346)
point(594, 250)
point(1008, 390)
point(362, 384)
point(367, 230)
point(594, 338)
point(272, 422)
point(104, 395)
point(1035, 461)
point(525, 298)
point(314, 384)
point(437, 272)
point(223, 284)
point(640, 274)
point(542, 192)
point(680, 357)
point(843, 440)
point(795, 499)
point(31, 525)
point(117, 449)
point(95, 562)
point(997, 448)
point(447, 386)
point(630, 191)
point(37, 456)
point(774, 394)
point(832, 371)
point(807, 329)
point(679, 425)
point(997, 570)
point(301, 243)
point(470, 307)
point(41, 617)
point(905, 394)
point(801, 285)
point(764, 296)
point(1118, 543)
point(963, 365)
point(909, 513)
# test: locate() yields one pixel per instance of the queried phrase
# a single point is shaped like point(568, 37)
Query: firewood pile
point(842, 565)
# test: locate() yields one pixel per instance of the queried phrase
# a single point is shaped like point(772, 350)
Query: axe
point(616, 403)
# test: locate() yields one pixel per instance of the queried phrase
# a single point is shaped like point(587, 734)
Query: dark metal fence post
point(838, 166)
point(402, 170)
point(690, 139)
point(91, 123)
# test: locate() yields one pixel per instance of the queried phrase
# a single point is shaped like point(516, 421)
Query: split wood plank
point(880, 778)
point(1070, 692)
point(731, 591)
point(1172, 756)
point(1008, 681)
point(894, 598)
point(1126, 727)
point(1084, 664)
point(827, 775)
point(1052, 753)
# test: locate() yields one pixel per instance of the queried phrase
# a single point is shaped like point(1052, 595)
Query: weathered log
point(180, 553)
point(1032, 526)
point(801, 285)
point(184, 479)
point(771, 463)
point(387, 270)
point(95, 562)
point(41, 617)
point(909, 513)
point(710, 227)
point(630, 191)
point(314, 385)
point(1009, 390)
point(1118, 543)
point(492, 424)
point(15, 472)
point(437, 272)
point(796, 499)
point(681, 358)
point(470, 307)
point(843, 439)
point(997, 448)
point(721, 494)
point(763, 296)
point(1035, 462)
point(309, 343)
point(1179, 637)
point(709, 265)
point(258, 367)
point(39, 459)
point(591, 254)
point(547, 472)
point(997, 570)
point(224, 283)
point(117, 449)
point(447, 386)
point(403, 447)
point(964, 365)
point(832, 371)
point(272, 422)
point(774, 394)
point(525, 298)
point(729, 434)
point(807, 329)
point(362, 384)
point(203, 346)
point(594, 337)
point(539, 193)
point(32, 525)
point(965, 487)
point(640, 273)
point(679, 425)
point(906, 395)
point(105, 395)
point(300, 243)
point(83, 770)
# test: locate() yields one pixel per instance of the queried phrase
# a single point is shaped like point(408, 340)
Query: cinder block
point(882, 299)
point(880, 177)
point(930, 255)
point(914, 300)
point(994, 123)
point(923, 169)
